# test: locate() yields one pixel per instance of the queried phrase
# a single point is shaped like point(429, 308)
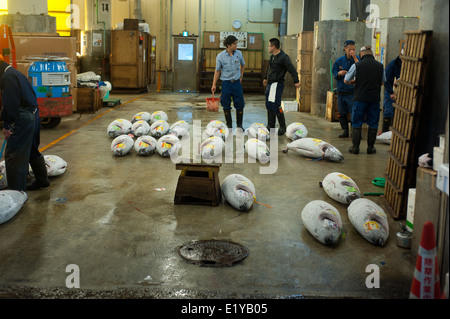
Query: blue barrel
point(50, 79)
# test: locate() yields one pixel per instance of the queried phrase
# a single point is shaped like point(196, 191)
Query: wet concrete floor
point(108, 216)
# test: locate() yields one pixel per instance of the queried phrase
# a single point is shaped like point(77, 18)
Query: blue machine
point(50, 79)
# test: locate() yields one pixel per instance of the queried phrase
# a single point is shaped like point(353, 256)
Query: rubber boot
point(40, 173)
point(271, 119)
point(344, 125)
point(386, 124)
point(239, 118)
point(282, 122)
point(356, 140)
point(228, 118)
point(371, 138)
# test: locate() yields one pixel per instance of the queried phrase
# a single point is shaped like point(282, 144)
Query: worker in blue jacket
point(392, 72)
point(345, 91)
point(21, 127)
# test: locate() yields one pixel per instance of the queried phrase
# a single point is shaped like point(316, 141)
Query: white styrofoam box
point(410, 209)
point(442, 178)
point(438, 157)
point(289, 106)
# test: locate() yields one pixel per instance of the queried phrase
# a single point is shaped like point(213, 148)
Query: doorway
point(185, 64)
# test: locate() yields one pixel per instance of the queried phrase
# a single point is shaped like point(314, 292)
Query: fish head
point(351, 197)
point(331, 239)
point(332, 154)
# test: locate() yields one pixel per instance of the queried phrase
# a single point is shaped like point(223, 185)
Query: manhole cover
point(213, 253)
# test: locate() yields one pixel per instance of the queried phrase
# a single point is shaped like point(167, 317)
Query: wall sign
point(241, 36)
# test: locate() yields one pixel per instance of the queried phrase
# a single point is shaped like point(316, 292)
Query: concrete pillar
point(329, 38)
point(27, 7)
point(334, 10)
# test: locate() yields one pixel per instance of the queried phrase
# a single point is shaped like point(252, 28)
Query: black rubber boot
point(371, 138)
point(239, 118)
point(228, 119)
point(356, 140)
point(282, 122)
point(271, 119)
point(344, 125)
point(387, 121)
point(40, 173)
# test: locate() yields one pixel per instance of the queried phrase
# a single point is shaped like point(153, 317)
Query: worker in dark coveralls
point(21, 127)
point(345, 91)
point(368, 76)
point(392, 72)
point(230, 67)
point(279, 64)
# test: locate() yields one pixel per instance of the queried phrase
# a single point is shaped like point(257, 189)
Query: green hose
point(379, 181)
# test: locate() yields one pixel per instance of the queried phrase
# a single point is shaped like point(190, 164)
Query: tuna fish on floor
point(158, 116)
point(257, 149)
point(145, 145)
point(3, 180)
point(119, 127)
point(216, 128)
point(259, 131)
point(323, 221)
point(369, 220)
point(159, 128)
point(341, 188)
point(168, 145)
point(180, 128)
point(55, 165)
point(11, 202)
point(140, 128)
point(315, 148)
point(385, 137)
point(296, 131)
point(122, 145)
point(238, 191)
point(212, 147)
point(142, 116)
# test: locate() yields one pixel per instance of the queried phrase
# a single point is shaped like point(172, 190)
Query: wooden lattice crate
point(394, 200)
point(400, 148)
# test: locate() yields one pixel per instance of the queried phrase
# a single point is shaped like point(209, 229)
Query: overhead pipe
point(137, 13)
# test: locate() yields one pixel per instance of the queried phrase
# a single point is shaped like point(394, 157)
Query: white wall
point(334, 10)
point(295, 16)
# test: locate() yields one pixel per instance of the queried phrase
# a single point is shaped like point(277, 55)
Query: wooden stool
point(198, 184)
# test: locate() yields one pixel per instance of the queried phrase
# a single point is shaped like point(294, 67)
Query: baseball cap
point(349, 42)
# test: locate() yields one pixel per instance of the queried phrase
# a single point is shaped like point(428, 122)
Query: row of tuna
point(11, 201)
point(324, 222)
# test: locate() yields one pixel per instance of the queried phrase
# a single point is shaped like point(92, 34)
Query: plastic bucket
point(212, 104)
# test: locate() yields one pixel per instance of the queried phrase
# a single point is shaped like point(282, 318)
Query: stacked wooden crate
point(304, 68)
point(401, 167)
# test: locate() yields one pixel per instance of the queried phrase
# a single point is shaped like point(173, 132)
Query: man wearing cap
point(230, 67)
point(279, 65)
point(345, 91)
point(368, 76)
point(21, 127)
point(392, 72)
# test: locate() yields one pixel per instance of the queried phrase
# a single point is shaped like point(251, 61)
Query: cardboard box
point(55, 46)
point(410, 209)
point(130, 24)
point(289, 106)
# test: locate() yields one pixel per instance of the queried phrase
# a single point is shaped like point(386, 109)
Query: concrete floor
point(105, 216)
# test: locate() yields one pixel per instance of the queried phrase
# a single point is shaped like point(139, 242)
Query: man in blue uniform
point(368, 76)
point(279, 64)
point(392, 72)
point(230, 67)
point(21, 128)
point(345, 91)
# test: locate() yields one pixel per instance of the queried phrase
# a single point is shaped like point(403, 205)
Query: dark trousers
point(21, 146)
point(366, 112)
point(232, 90)
point(274, 106)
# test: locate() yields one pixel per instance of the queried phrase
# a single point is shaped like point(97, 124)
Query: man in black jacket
point(21, 128)
point(279, 64)
point(368, 76)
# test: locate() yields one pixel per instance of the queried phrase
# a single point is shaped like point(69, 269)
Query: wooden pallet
point(401, 169)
